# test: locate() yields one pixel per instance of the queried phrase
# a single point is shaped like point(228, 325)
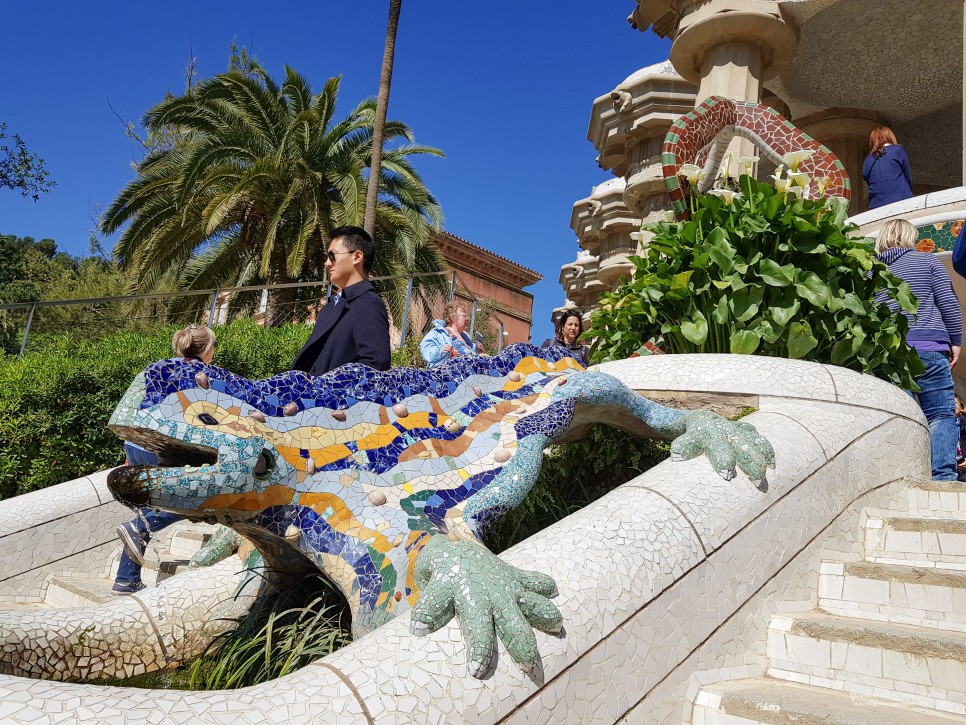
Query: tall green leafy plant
point(766, 273)
point(280, 634)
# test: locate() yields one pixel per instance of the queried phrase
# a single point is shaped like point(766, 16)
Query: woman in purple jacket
point(886, 169)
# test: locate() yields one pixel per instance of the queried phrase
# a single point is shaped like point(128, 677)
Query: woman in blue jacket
point(886, 169)
point(448, 338)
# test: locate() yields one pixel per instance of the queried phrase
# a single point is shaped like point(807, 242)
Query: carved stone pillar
point(729, 48)
point(603, 225)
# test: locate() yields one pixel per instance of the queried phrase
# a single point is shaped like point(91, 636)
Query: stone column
point(729, 48)
point(733, 71)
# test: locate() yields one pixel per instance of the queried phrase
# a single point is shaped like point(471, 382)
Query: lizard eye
point(264, 465)
point(208, 419)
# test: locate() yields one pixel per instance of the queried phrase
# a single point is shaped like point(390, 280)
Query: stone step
point(925, 541)
point(185, 543)
point(948, 497)
point(776, 702)
point(181, 541)
point(158, 566)
point(66, 591)
point(916, 665)
point(926, 597)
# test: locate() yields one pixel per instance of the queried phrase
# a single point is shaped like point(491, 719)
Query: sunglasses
point(331, 255)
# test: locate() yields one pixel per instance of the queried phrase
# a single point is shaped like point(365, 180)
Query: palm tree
point(382, 105)
point(263, 175)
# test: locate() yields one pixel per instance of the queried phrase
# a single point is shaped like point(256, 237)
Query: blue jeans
point(938, 402)
point(147, 522)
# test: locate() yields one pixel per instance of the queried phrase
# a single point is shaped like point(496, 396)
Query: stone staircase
point(887, 642)
point(86, 590)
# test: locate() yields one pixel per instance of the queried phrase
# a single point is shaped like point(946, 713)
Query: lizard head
point(216, 461)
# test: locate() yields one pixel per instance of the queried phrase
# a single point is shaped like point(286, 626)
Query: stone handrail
point(653, 578)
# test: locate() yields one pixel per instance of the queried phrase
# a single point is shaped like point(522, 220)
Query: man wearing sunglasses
point(353, 326)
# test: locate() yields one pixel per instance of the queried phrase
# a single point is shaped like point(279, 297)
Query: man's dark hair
point(356, 239)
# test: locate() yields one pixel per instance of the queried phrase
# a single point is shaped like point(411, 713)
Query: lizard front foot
point(727, 443)
point(488, 596)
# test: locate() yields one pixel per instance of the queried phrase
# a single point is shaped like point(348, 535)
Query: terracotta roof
point(519, 268)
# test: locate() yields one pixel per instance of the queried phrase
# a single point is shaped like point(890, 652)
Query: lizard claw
point(491, 599)
point(727, 444)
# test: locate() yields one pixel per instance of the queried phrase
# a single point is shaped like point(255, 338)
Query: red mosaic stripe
point(690, 137)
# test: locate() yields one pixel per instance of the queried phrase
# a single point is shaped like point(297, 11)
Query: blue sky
point(503, 87)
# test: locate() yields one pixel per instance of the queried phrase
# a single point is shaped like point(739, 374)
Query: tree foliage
point(33, 270)
point(765, 273)
point(260, 175)
point(21, 170)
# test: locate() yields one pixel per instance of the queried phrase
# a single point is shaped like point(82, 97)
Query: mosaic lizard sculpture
point(386, 481)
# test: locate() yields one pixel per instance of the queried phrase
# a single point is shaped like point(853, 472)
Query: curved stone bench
point(130, 635)
point(666, 578)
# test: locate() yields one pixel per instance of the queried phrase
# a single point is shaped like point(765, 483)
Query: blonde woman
point(448, 338)
point(935, 333)
point(195, 342)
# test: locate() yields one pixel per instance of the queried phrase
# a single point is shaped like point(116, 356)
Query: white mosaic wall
point(664, 584)
point(62, 529)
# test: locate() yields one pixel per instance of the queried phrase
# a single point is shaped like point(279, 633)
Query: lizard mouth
point(126, 482)
point(171, 452)
point(177, 454)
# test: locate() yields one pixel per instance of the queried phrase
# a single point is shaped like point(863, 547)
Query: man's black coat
point(354, 330)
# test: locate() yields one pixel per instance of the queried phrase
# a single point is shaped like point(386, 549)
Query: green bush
point(766, 273)
point(408, 356)
point(55, 402)
point(574, 475)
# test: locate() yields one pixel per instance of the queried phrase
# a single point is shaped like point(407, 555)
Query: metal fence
point(413, 303)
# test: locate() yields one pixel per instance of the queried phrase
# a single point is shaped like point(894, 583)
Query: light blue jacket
point(431, 348)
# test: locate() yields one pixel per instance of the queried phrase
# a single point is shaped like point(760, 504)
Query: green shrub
point(767, 274)
point(408, 356)
point(574, 475)
point(55, 402)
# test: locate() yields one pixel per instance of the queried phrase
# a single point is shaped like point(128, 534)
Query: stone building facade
point(499, 281)
point(835, 68)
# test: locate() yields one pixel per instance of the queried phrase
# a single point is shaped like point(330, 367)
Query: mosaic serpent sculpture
point(702, 136)
point(386, 481)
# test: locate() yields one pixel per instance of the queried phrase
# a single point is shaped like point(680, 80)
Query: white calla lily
point(746, 162)
point(692, 172)
point(780, 183)
point(799, 178)
point(795, 191)
point(823, 184)
point(794, 158)
point(638, 236)
point(726, 195)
